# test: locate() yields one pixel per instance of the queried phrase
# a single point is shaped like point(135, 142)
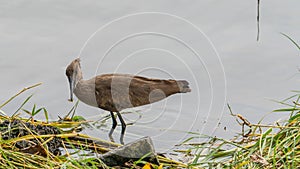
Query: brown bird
point(115, 92)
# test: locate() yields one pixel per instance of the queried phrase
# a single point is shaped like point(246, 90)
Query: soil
point(18, 128)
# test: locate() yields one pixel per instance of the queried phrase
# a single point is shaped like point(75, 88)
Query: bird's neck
point(78, 75)
point(76, 79)
point(85, 92)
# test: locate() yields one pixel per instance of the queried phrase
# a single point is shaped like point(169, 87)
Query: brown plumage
point(115, 92)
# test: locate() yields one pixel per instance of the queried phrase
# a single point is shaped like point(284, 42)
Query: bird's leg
point(114, 125)
point(123, 127)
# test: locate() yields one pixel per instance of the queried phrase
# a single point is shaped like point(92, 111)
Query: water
point(211, 44)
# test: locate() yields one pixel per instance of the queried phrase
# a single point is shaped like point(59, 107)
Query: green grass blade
point(46, 115)
point(26, 100)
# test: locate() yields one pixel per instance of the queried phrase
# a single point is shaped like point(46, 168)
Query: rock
point(131, 152)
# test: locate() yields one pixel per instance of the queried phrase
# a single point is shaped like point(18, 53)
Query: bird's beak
point(71, 83)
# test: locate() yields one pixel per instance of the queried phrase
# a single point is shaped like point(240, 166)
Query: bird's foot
point(111, 138)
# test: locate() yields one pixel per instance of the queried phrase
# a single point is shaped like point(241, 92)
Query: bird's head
point(74, 75)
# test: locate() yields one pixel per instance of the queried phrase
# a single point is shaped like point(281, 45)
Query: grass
point(79, 150)
point(257, 146)
point(260, 146)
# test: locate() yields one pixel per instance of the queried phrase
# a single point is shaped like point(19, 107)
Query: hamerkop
point(115, 92)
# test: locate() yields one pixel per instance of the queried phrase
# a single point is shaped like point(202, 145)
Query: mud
point(18, 128)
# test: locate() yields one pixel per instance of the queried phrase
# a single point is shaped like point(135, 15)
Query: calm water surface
point(211, 44)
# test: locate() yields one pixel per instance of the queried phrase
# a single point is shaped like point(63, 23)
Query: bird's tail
point(183, 86)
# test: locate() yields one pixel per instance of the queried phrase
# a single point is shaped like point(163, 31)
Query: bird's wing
point(122, 91)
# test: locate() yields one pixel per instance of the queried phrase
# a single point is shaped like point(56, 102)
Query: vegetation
point(30, 143)
point(260, 146)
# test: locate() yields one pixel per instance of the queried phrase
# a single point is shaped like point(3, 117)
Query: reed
point(259, 146)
